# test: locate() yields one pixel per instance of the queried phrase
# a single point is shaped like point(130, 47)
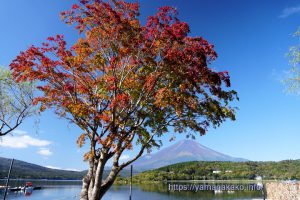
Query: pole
point(7, 181)
point(130, 194)
point(263, 189)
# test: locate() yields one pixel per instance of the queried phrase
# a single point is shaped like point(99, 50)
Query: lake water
point(62, 190)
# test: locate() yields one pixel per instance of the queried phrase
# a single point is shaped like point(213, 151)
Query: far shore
point(207, 181)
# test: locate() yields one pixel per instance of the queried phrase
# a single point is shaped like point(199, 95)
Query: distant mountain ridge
point(182, 151)
point(27, 170)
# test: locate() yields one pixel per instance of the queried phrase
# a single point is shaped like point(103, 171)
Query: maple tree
point(124, 84)
point(15, 102)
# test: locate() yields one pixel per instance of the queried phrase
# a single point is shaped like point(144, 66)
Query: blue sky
point(251, 38)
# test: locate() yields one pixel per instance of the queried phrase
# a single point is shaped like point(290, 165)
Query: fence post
point(7, 181)
point(130, 194)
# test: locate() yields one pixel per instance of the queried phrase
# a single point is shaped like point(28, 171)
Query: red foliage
point(75, 6)
point(121, 72)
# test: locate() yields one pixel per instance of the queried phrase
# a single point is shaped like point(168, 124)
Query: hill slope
point(26, 170)
point(220, 170)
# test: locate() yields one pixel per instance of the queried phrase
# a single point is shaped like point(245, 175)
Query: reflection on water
point(48, 193)
point(64, 190)
point(161, 191)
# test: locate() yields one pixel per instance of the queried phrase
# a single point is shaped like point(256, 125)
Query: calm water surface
point(62, 190)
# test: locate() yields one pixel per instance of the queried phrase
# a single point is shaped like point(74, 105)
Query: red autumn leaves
point(121, 71)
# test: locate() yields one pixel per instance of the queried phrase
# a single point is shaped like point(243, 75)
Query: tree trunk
point(93, 187)
point(108, 182)
point(104, 190)
point(86, 182)
point(85, 188)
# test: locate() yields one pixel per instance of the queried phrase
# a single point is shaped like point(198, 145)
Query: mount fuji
point(182, 151)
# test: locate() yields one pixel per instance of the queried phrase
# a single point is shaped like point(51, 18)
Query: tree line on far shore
point(201, 170)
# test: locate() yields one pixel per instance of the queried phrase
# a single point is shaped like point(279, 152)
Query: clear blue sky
point(251, 38)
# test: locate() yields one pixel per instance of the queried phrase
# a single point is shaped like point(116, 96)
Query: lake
point(68, 190)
